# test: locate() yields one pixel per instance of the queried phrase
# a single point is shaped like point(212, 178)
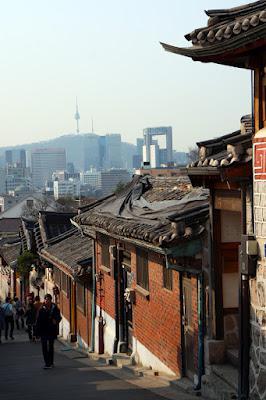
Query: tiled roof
point(226, 150)
point(9, 225)
point(70, 249)
point(155, 210)
point(50, 225)
point(227, 29)
point(10, 252)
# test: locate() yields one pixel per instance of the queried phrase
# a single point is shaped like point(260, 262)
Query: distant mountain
point(74, 145)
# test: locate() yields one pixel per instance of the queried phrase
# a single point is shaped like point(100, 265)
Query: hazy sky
point(107, 53)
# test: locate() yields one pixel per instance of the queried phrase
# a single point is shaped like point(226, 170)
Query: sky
point(107, 53)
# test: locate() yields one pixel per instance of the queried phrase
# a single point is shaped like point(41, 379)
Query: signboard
point(259, 159)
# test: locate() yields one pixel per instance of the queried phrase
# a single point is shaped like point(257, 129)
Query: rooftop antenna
point(92, 130)
point(77, 116)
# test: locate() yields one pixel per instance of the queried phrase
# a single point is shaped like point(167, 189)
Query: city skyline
point(125, 83)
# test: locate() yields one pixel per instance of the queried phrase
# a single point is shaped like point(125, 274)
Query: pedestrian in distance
point(47, 327)
point(30, 316)
point(20, 310)
point(9, 312)
point(2, 320)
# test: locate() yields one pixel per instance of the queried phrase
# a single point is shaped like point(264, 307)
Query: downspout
point(93, 301)
point(200, 329)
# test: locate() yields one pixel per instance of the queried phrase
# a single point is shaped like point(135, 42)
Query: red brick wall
point(108, 299)
point(64, 305)
point(84, 320)
point(156, 319)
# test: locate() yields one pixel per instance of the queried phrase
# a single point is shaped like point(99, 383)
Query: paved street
point(74, 377)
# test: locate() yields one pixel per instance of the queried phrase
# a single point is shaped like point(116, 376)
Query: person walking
point(9, 312)
point(19, 313)
point(2, 320)
point(47, 327)
point(30, 316)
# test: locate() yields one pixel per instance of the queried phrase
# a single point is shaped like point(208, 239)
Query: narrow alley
point(74, 376)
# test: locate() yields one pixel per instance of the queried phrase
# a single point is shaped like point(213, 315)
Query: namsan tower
point(77, 116)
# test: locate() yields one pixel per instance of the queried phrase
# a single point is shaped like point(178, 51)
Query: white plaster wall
point(64, 328)
point(141, 354)
point(144, 357)
point(81, 342)
point(4, 288)
point(109, 332)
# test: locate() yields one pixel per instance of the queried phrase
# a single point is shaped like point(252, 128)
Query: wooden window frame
point(81, 297)
point(105, 255)
point(142, 267)
point(167, 278)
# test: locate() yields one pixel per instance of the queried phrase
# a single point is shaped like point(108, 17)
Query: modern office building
point(110, 179)
point(110, 151)
point(91, 151)
point(15, 156)
point(165, 155)
point(44, 162)
point(66, 189)
point(91, 178)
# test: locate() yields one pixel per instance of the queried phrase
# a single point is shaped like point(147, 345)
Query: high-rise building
point(44, 162)
point(91, 178)
point(110, 179)
point(15, 156)
point(91, 151)
point(110, 151)
point(165, 154)
point(65, 189)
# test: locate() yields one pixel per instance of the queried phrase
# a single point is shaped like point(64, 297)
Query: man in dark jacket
point(47, 328)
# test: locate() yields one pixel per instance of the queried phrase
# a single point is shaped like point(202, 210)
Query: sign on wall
point(259, 159)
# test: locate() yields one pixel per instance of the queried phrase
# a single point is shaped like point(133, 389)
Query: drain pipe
point(116, 294)
point(93, 305)
point(201, 330)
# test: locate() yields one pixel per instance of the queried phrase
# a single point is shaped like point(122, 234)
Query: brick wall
point(156, 319)
point(84, 320)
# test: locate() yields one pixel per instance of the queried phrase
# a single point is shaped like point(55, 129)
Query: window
point(105, 243)
point(167, 278)
point(30, 203)
point(142, 269)
point(64, 282)
point(80, 296)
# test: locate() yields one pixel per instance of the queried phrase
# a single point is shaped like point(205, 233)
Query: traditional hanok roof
point(9, 225)
point(155, 210)
point(226, 150)
point(10, 251)
point(239, 29)
point(72, 251)
point(50, 225)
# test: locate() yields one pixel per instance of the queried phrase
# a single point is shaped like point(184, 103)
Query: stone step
point(232, 357)
point(121, 359)
point(221, 384)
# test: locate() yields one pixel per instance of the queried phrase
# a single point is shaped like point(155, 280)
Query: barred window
point(142, 269)
point(167, 278)
point(80, 296)
point(105, 243)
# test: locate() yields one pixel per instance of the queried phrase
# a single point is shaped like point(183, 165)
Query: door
point(73, 316)
point(188, 328)
point(127, 306)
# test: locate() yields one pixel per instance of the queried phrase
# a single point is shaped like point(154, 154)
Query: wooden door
point(127, 305)
point(72, 303)
point(188, 328)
